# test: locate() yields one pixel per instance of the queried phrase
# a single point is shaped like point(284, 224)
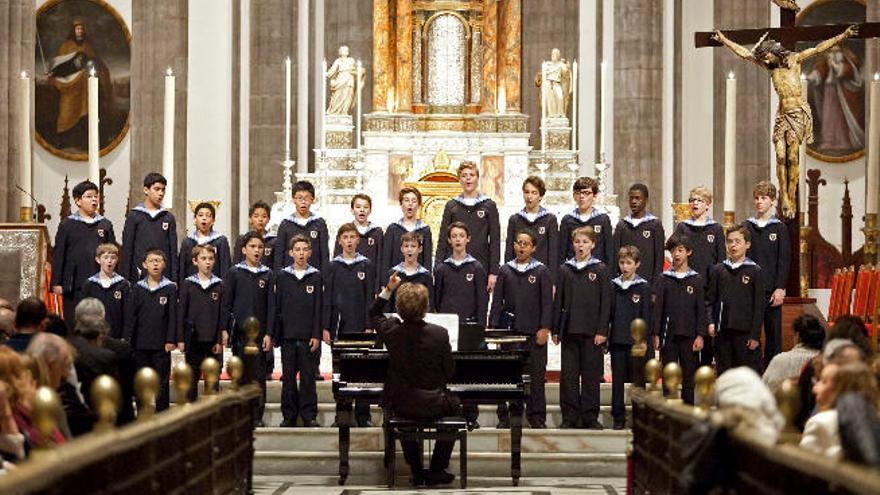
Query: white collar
point(144, 209)
point(587, 262)
point(745, 262)
point(471, 201)
point(96, 278)
point(88, 221)
point(302, 222)
point(260, 269)
point(308, 271)
point(401, 269)
point(419, 225)
point(358, 257)
point(213, 234)
point(362, 230)
point(162, 283)
point(533, 263)
point(763, 223)
point(594, 212)
point(694, 223)
point(204, 283)
point(626, 284)
point(674, 274)
point(467, 259)
point(532, 217)
point(635, 222)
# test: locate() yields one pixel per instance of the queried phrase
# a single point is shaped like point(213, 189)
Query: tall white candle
point(357, 81)
point(574, 105)
point(802, 178)
point(287, 109)
point(603, 109)
point(544, 89)
point(25, 135)
point(730, 145)
point(324, 104)
point(94, 143)
point(873, 176)
point(168, 138)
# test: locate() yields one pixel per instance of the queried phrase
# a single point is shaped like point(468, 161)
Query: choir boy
point(149, 226)
point(538, 219)
point(409, 270)
point(304, 222)
point(583, 306)
point(585, 214)
point(258, 218)
point(299, 292)
point(109, 287)
point(644, 231)
point(151, 324)
point(523, 302)
point(371, 235)
point(679, 323)
point(410, 201)
point(736, 298)
point(480, 214)
point(460, 280)
point(204, 233)
point(78, 236)
point(200, 317)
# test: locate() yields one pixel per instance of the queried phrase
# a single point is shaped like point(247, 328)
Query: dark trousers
point(733, 351)
point(303, 401)
point(259, 373)
point(582, 366)
point(160, 361)
point(680, 349)
point(772, 332)
point(623, 371)
point(69, 300)
point(270, 364)
point(709, 351)
point(536, 402)
point(412, 452)
point(196, 352)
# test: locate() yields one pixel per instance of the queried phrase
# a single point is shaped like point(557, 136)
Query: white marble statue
point(556, 88)
point(342, 76)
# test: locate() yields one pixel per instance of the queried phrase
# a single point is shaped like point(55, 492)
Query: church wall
point(49, 170)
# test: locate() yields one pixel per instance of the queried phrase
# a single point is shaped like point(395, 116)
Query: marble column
point(162, 33)
point(638, 98)
point(403, 58)
point(383, 68)
point(490, 55)
point(511, 53)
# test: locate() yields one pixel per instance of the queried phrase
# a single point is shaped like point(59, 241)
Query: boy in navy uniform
point(679, 323)
point(736, 296)
point(371, 234)
point(480, 214)
point(151, 324)
point(409, 270)
point(584, 192)
point(299, 307)
point(149, 226)
point(582, 310)
point(410, 201)
point(630, 299)
point(772, 252)
point(200, 317)
point(644, 231)
point(250, 291)
point(523, 302)
point(110, 288)
point(349, 290)
point(538, 219)
point(304, 222)
point(204, 233)
point(258, 218)
point(73, 259)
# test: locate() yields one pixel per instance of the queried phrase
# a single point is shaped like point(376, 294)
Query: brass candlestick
point(106, 397)
point(872, 238)
point(26, 214)
point(804, 248)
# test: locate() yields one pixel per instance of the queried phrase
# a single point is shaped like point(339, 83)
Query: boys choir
point(575, 282)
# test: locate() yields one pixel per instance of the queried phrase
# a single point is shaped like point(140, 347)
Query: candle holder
point(542, 167)
point(287, 185)
point(804, 250)
point(872, 238)
point(26, 214)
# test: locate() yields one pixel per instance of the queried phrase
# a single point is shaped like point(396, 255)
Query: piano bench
point(450, 428)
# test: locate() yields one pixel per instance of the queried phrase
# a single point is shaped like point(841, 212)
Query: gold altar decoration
point(438, 183)
point(196, 202)
point(682, 211)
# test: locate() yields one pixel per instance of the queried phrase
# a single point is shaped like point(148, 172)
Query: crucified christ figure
point(794, 121)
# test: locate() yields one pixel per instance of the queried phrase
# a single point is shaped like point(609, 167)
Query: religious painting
point(836, 84)
point(398, 171)
point(492, 178)
point(74, 39)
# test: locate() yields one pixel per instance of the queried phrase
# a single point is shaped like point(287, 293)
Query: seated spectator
point(741, 392)
point(859, 426)
point(29, 316)
point(852, 328)
point(7, 322)
point(821, 433)
point(56, 325)
point(92, 360)
point(90, 307)
point(809, 337)
point(11, 439)
point(15, 370)
point(59, 356)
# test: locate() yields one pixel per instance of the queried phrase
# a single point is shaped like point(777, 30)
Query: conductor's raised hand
point(393, 282)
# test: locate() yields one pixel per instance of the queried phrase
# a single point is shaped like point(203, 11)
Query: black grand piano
point(481, 377)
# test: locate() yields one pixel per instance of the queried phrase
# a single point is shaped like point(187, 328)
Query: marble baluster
point(383, 67)
point(403, 90)
point(511, 53)
point(490, 55)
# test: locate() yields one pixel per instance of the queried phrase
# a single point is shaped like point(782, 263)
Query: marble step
point(483, 440)
point(487, 418)
point(494, 464)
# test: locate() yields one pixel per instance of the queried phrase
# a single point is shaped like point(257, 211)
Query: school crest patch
point(314, 234)
point(215, 295)
point(592, 276)
point(710, 238)
point(164, 225)
point(101, 233)
point(267, 251)
point(772, 237)
point(371, 241)
point(361, 275)
point(646, 234)
point(469, 277)
point(117, 294)
point(310, 289)
point(597, 229)
point(532, 279)
point(636, 298)
point(163, 300)
point(481, 213)
point(746, 279)
point(690, 289)
point(542, 230)
point(261, 284)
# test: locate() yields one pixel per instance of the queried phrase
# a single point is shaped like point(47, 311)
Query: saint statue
point(794, 121)
point(556, 90)
point(343, 77)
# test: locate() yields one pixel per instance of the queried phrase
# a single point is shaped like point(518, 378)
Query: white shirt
point(821, 435)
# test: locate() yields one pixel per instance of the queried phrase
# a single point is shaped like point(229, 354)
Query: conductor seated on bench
point(420, 363)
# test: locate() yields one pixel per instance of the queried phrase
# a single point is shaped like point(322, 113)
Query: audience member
point(17, 371)
point(59, 356)
point(29, 317)
point(809, 336)
point(92, 360)
point(7, 322)
point(743, 394)
point(852, 328)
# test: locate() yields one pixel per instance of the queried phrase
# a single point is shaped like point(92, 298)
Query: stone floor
point(326, 485)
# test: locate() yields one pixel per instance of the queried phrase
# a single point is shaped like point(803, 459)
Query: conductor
point(420, 363)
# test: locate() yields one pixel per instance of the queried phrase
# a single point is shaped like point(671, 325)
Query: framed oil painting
point(836, 82)
point(75, 37)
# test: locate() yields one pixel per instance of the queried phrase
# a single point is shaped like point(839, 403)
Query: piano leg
point(516, 421)
point(343, 422)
